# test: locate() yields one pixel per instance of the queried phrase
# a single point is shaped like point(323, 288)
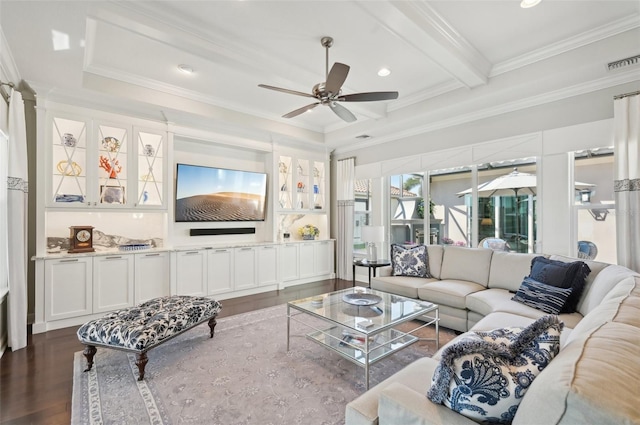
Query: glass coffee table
point(360, 324)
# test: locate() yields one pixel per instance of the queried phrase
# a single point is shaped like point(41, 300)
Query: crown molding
point(504, 108)
point(571, 43)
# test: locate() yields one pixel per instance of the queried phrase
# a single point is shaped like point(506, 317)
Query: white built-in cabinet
point(104, 164)
point(152, 276)
point(113, 282)
point(246, 269)
point(217, 271)
point(267, 265)
point(69, 290)
point(191, 272)
point(220, 271)
point(289, 262)
point(87, 285)
point(305, 261)
point(114, 169)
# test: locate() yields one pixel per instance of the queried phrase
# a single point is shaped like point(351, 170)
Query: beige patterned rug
point(244, 375)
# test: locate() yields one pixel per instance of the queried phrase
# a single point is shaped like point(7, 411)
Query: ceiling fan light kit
point(329, 92)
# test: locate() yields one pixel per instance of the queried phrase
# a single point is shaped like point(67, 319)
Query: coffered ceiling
point(448, 59)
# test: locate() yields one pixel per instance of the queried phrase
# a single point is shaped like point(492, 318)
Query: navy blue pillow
point(548, 298)
point(562, 275)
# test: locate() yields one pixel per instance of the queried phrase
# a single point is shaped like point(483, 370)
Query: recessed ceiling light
point(525, 4)
point(185, 68)
point(384, 72)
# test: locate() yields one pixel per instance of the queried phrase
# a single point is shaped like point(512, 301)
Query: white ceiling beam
point(421, 27)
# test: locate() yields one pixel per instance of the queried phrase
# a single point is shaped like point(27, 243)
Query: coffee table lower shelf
point(351, 345)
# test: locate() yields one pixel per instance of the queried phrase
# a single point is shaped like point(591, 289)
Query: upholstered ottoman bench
point(141, 328)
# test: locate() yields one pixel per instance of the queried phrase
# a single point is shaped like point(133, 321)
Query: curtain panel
point(627, 179)
point(345, 198)
point(17, 197)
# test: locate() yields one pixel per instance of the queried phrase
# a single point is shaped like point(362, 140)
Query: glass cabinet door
point(318, 185)
point(69, 156)
point(302, 184)
point(112, 166)
point(285, 183)
point(150, 149)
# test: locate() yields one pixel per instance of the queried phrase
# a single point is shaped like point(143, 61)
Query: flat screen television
point(217, 194)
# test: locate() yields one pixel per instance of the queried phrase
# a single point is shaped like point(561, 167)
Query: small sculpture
point(111, 167)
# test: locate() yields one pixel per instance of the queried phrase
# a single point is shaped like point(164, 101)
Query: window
point(594, 206)
point(407, 209)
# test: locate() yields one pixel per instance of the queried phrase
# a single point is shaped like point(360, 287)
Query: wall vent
point(623, 62)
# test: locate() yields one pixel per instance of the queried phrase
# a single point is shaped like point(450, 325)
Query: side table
point(370, 265)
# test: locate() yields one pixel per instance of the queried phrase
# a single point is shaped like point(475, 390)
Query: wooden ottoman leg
point(212, 325)
point(141, 362)
point(89, 352)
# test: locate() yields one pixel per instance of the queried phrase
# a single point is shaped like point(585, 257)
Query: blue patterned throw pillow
point(485, 375)
point(410, 261)
point(543, 297)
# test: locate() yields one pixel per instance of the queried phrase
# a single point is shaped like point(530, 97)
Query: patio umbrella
point(513, 184)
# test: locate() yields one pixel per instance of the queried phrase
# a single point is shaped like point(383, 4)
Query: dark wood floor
point(36, 382)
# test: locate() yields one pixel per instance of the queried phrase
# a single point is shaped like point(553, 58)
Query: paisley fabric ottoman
point(139, 329)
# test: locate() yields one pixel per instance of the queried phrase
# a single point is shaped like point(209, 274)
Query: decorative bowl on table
point(361, 299)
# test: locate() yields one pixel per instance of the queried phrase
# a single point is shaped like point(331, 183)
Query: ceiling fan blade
point(298, 93)
point(342, 112)
point(368, 97)
point(301, 110)
point(336, 77)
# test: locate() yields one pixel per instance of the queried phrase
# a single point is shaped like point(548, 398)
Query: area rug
point(244, 375)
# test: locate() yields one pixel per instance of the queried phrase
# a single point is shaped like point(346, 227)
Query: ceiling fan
point(329, 93)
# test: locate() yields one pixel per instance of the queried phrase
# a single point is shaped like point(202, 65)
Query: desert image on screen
point(213, 194)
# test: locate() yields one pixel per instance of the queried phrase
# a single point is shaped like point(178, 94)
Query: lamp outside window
point(371, 235)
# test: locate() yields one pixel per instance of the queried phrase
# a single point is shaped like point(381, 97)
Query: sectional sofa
point(592, 380)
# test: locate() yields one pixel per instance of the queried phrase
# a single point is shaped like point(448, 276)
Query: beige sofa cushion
point(451, 293)
point(486, 302)
point(591, 381)
point(508, 269)
point(594, 378)
point(417, 376)
point(400, 404)
point(630, 308)
point(406, 286)
point(596, 289)
point(434, 253)
point(470, 264)
point(570, 319)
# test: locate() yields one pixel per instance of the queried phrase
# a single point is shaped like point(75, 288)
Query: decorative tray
point(134, 247)
point(361, 299)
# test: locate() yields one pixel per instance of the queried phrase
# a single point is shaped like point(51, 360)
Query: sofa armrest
point(384, 271)
point(399, 404)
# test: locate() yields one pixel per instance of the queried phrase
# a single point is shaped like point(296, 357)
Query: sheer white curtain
point(627, 179)
point(17, 222)
point(345, 197)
